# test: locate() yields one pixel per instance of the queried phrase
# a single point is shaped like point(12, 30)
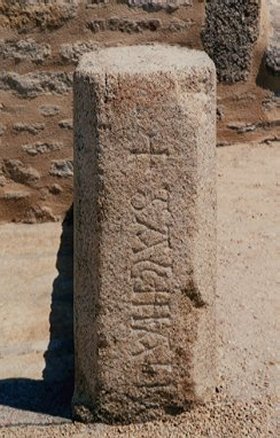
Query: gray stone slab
point(145, 239)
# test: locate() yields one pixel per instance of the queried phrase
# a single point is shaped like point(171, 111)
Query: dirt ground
point(36, 350)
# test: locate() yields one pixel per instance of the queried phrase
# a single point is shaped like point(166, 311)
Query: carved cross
point(150, 149)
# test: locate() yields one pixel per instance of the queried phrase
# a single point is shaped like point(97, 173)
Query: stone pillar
point(230, 32)
point(145, 239)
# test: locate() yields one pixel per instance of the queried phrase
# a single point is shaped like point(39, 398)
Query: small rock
point(44, 193)
point(15, 195)
point(39, 214)
point(41, 148)
point(3, 181)
point(71, 53)
point(49, 110)
point(25, 15)
point(32, 128)
point(242, 127)
point(66, 124)
point(97, 25)
point(179, 25)
point(62, 168)
point(55, 189)
point(18, 172)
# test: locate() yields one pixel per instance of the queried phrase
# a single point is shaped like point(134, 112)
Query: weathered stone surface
point(179, 25)
point(44, 2)
point(71, 53)
point(55, 189)
point(62, 168)
point(66, 124)
point(273, 49)
point(145, 223)
point(231, 29)
point(96, 3)
point(31, 128)
point(42, 147)
point(18, 172)
point(242, 127)
point(25, 15)
point(39, 214)
point(28, 49)
point(37, 83)
point(273, 58)
point(3, 180)
point(156, 5)
point(125, 25)
point(15, 195)
point(49, 110)
point(272, 102)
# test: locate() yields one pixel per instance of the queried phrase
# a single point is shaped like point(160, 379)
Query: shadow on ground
point(52, 395)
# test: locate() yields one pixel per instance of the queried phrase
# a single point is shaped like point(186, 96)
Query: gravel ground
point(219, 419)
point(247, 401)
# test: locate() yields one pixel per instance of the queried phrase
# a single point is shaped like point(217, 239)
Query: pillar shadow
point(52, 395)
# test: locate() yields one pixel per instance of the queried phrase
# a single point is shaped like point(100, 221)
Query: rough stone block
point(145, 241)
point(61, 168)
point(49, 110)
point(25, 15)
point(24, 50)
point(20, 173)
point(71, 53)
point(155, 5)
point(31, 128)
point(124, 25)
point(34, 84)
point(273, 48)
point(96, 3)
point(42, 147)
point(231, 29)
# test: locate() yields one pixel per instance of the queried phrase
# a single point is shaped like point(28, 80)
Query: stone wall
point(41, 42)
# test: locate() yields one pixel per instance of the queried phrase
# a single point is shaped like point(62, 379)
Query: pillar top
point(143, 59)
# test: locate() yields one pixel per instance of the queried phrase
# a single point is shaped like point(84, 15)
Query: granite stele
point(145, 232)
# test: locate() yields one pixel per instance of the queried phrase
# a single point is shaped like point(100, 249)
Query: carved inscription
point(151, 274)
point(150, 148)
